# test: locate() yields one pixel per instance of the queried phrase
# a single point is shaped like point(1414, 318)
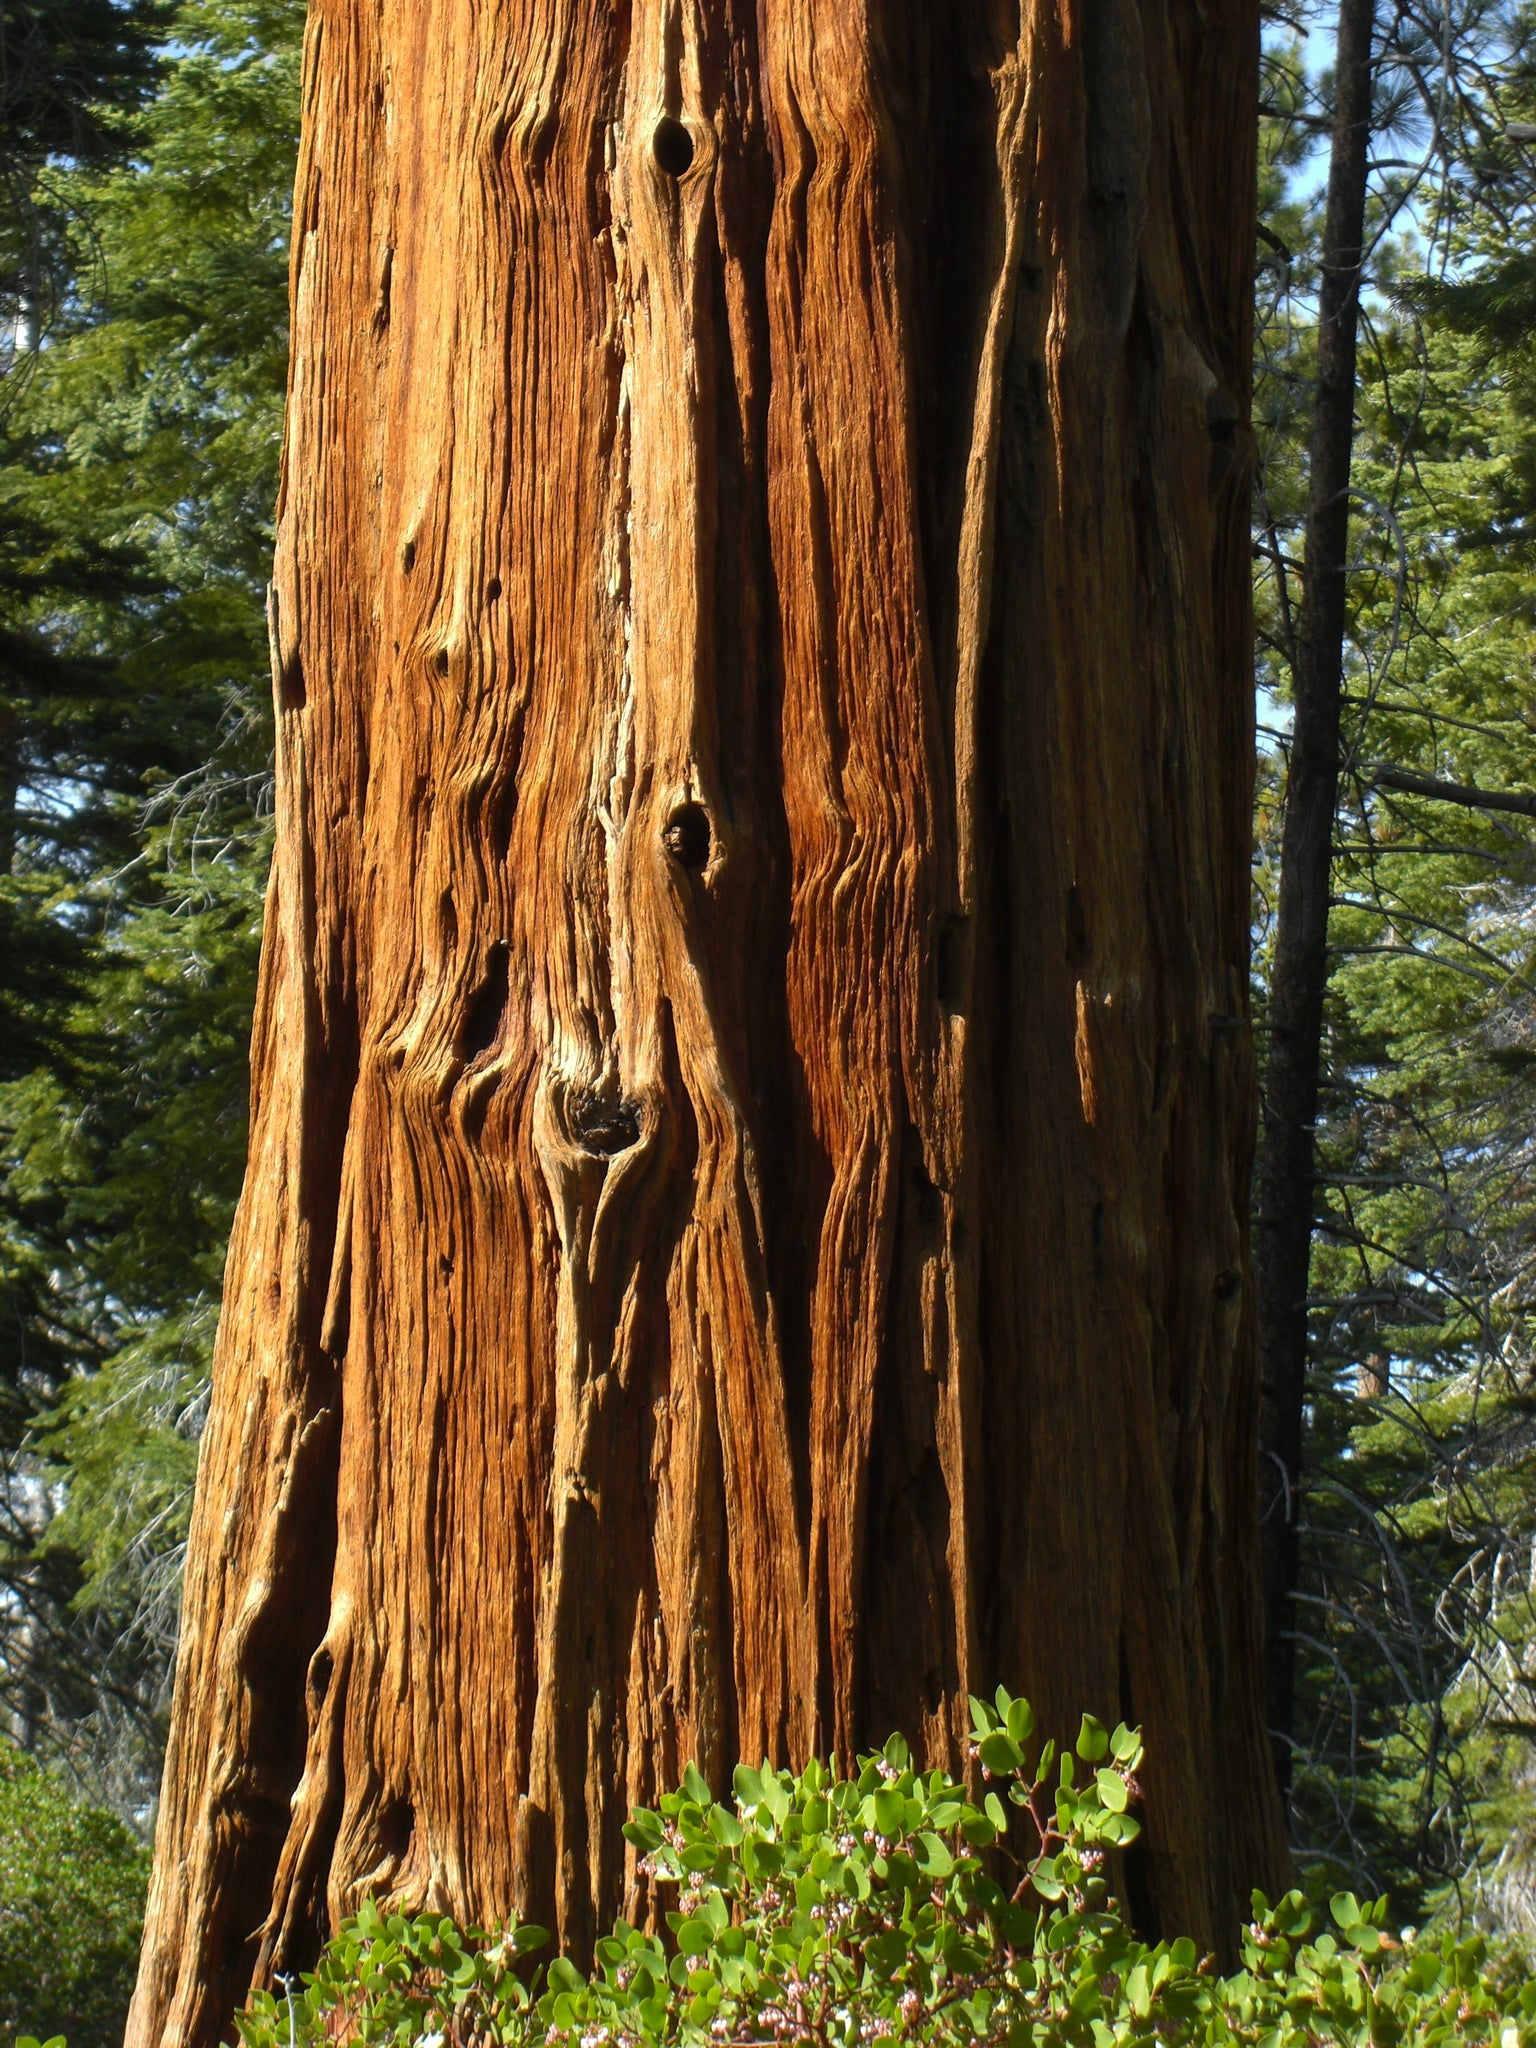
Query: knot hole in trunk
point(672, 146)
point(687, 837)
point(603, 1124)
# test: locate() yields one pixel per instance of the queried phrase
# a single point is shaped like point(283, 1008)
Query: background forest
point(146, 157)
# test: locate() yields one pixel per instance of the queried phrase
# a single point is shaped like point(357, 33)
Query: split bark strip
point(764, 543)
point(1283, 1238)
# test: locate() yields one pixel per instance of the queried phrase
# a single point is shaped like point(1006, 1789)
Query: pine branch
point(1385, 776)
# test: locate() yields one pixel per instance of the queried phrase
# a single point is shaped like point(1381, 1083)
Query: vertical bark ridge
point(1115, 366)
point(860, 746)
point(265, 1519)
point(753, 1092)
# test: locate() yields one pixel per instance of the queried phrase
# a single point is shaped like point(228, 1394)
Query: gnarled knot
point(603, 1123)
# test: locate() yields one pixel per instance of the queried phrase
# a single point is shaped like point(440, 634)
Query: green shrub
point(71, 1910)
point(889, 1907)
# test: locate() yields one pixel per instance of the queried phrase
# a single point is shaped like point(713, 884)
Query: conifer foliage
point(1413, 1623)
point(140, 408)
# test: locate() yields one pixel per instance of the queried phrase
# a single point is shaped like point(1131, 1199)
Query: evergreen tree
point(139, 480)
point(72, 75)
point(1413, 1614)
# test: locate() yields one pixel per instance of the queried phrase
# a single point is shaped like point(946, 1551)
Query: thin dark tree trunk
point(1283, 1238)
point(10, 782)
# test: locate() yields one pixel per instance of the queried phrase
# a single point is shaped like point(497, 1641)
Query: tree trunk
point(1299, 977)
point(745, 1230)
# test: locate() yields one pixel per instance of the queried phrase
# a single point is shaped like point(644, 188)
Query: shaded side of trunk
point(1299, 978)
point(744, 1240)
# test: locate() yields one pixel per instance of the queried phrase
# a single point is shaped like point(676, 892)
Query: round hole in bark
point(408, 557)
point(687, 837)
point(493, 590)
point(442, 661)
point(397, 1823)
point(672, 146)
point(603, 1125)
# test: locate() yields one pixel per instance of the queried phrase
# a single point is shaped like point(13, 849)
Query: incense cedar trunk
point(745, 1230)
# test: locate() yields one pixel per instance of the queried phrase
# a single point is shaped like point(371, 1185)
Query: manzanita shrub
point(889, 1907)
point(71, 1911)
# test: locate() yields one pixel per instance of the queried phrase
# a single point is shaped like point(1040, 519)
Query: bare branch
point(1385, 776)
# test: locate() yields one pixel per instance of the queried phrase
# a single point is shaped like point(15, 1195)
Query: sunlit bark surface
point(744, 1238)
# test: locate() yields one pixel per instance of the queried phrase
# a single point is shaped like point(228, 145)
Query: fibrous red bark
point(744, 1239)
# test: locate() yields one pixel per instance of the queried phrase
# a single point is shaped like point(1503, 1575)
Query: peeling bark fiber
point(745, 1230)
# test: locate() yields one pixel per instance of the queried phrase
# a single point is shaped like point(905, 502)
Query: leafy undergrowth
point(71, 1907)
point(889, 1907)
